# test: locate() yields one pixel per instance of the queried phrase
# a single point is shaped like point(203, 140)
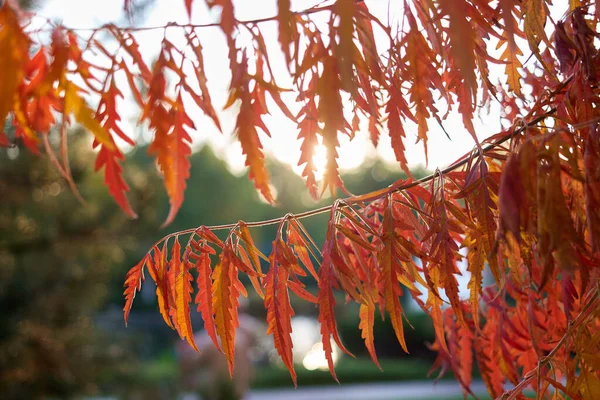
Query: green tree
point(57, 259)
point(523, 203)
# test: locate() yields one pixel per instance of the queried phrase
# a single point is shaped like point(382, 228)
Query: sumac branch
point(525, 203)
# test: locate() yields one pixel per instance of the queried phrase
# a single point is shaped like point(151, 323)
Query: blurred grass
point(349, 370)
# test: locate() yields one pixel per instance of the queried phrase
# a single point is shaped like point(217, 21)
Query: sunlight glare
point(315, 358)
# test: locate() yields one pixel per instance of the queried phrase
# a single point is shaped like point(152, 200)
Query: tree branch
point(372, 196)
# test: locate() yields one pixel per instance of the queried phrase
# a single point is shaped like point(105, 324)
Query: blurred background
point(63, 267)
point(63, 264)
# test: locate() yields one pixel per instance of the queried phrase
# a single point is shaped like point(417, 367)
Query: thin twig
point(190, 25)
point(593, 302)
point(369, 197)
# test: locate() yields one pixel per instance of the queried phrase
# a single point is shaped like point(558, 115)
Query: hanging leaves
point(522, 205)
point(14, 44)
point(111, 159)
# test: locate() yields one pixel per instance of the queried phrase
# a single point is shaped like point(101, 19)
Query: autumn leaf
point(247, 134)
point(204, 298)
point(14, 44)
point(277, 303)
point(390, 270)
point(133, 283)
point(287, 27)
point(395, 108)
point(157, 267)
point(331, 111)
point(461, 38)
point(522, 204)
point(172, 146)
point(308, 127)
point(111, 159)
point(225, 304)
point(254, 259)
point(346, 11)
point(188, 7)
point(326, 299)
point(367, 320)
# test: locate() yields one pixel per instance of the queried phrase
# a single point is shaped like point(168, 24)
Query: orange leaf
point(461, 35)
point(133, 283)
point(254, 278)
point(188, 8)
point(110, 159)
point(247, 133)
point(325, 296)
point(184, 288)
point(390, 270)
point(308, 128)
point(287, 27)
point(332, 115)
point(174, 268)
point(300, 246)
point(225, 303)
point(75, 105)
point(252, 249)
point(367, 319)
point(14, 45)
point(158, 270)
point(204, 298)
point(345, 10)
point(172, 146)
point(203, 100)
point(279, 308)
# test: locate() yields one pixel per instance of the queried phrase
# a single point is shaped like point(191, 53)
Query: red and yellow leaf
point(225, 296)
point(133, 283)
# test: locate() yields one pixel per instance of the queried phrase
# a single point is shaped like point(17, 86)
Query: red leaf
point(133, 283)
point(184, 290)
point(395, 106)
point(188, 8)
point(204, 296)
point(158, 271)
point(279, 308)
point(203, 100)
point(308, 127)
point(172, 146)
point(300, 246)
point(287, 27)
point(225, 303)
point(367, 320)
point(326, 298)
point(110, 159)
point(390, 271)
point(332, 115)
point(591, 162)
point(247, 133)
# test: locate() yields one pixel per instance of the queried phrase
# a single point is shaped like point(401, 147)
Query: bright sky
point(283, 145)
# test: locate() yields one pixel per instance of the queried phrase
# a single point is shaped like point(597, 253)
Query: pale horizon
point(352, 153)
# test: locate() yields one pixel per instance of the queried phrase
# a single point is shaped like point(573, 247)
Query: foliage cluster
point(524, 203)
point(58, 260)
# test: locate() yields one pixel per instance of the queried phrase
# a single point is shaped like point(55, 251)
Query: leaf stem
point(369, 197)
point(190, 25)
point(515, 391)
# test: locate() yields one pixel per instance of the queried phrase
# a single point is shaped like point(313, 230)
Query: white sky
point(283, 145)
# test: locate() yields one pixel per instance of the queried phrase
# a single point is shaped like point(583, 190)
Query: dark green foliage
point(57, 258)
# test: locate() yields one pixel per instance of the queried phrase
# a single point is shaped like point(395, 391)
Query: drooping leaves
point(523, 205)
point(225, 295)
point(133, 283)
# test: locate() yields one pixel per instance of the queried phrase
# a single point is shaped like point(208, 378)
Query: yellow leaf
point(75, 105)
point(14, 48)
